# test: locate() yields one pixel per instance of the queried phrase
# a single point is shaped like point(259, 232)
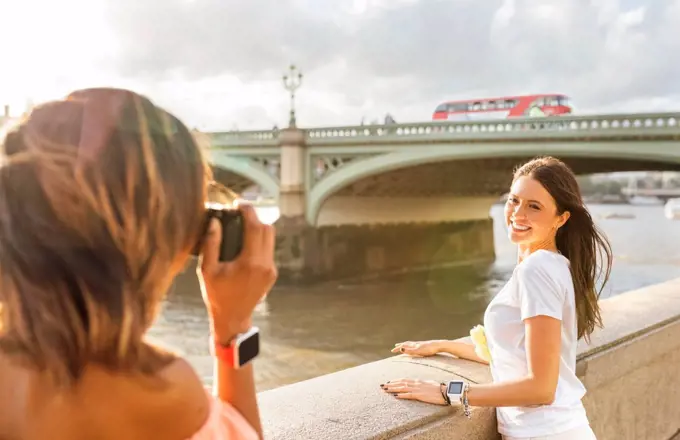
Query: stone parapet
point(630, 370)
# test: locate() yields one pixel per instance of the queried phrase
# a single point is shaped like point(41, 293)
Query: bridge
point(432, 182)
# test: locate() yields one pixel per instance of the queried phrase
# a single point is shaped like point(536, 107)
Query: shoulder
point(545, 266)
point(544, 273)
point(212, 418)
point(542, 283)
point(174, 404)
point(189, 400)
point(171, 404)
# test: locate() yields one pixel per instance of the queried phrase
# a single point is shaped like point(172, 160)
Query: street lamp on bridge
point(292, 81)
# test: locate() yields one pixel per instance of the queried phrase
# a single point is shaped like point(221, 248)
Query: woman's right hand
point(418, 348)
point(232, 289)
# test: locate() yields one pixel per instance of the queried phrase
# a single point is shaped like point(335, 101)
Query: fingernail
point(214, 226)
point(401, 349)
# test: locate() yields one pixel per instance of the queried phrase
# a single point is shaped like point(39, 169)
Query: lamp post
point(292, 81)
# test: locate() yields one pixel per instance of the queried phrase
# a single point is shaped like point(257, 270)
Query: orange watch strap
point(223, 352)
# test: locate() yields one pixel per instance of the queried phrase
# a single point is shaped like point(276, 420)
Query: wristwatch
point(454, 391)
point(241, 350)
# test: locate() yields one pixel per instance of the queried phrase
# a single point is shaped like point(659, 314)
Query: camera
point(232, 224)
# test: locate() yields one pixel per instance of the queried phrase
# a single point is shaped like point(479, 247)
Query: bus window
point(510, 103)
point(551, 101)
point(476, 105)
point(491, 105)
point(441, 108)
point(563, 100)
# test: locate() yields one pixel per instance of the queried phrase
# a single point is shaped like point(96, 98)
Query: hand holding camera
point(234, 284)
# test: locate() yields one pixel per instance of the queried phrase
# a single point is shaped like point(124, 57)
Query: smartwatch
point(454, 391)
point(241, 350)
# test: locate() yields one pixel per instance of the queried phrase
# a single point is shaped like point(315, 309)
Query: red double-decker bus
point(504, 107)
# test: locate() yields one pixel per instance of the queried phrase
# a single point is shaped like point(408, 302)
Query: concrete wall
point(362, 251)
point(631, 371)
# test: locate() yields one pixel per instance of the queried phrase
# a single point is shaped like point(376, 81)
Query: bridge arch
point(663, 152)
point(248, 169)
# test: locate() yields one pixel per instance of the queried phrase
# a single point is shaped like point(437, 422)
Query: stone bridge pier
point(409, 219)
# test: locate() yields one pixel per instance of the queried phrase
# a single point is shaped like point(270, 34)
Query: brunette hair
point(579, 240)
point(99, 194)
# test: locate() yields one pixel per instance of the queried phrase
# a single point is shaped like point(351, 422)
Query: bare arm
point(460, 349)
point(543, 337)
point(541, 301)
point(237, 387)
point(231, 291)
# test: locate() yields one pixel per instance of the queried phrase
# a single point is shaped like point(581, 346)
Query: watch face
point(249, 348)
point(455, 388)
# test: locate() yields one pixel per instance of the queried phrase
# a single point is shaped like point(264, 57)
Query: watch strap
point(223, 352)
point(442, 388)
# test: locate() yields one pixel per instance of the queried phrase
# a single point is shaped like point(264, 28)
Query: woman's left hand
point(427, 391)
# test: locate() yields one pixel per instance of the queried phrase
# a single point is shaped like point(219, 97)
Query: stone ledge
point(349, 404)
point(623, 319)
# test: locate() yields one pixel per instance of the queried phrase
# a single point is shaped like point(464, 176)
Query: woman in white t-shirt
point(532, 325)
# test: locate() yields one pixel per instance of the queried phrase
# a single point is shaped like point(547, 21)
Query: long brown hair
point(579, 240)
point(99, 195)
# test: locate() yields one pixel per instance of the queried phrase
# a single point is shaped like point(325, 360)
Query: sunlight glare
point(50, 48)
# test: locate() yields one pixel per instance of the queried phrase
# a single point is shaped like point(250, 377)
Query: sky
point(218, 64)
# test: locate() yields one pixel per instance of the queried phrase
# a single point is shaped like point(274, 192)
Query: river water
point(308, 332)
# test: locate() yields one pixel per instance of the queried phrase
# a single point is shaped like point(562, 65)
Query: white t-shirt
point(540, 285)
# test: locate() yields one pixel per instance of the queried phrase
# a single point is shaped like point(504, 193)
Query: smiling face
point(531, 215)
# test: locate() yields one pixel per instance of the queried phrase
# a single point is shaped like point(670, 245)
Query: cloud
point(252, 39)
point(598, 54)
point(369, 57)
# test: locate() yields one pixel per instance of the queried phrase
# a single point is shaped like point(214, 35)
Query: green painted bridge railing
point(662, 126)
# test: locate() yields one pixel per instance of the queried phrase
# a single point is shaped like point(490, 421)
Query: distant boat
point(618, 215)
point(643, 200)
point(672, 209)
point(605, 199)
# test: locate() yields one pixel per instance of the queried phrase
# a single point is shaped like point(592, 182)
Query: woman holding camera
point(102, 202)
point(533, 324)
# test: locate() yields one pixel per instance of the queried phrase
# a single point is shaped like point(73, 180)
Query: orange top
point(224, 423)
